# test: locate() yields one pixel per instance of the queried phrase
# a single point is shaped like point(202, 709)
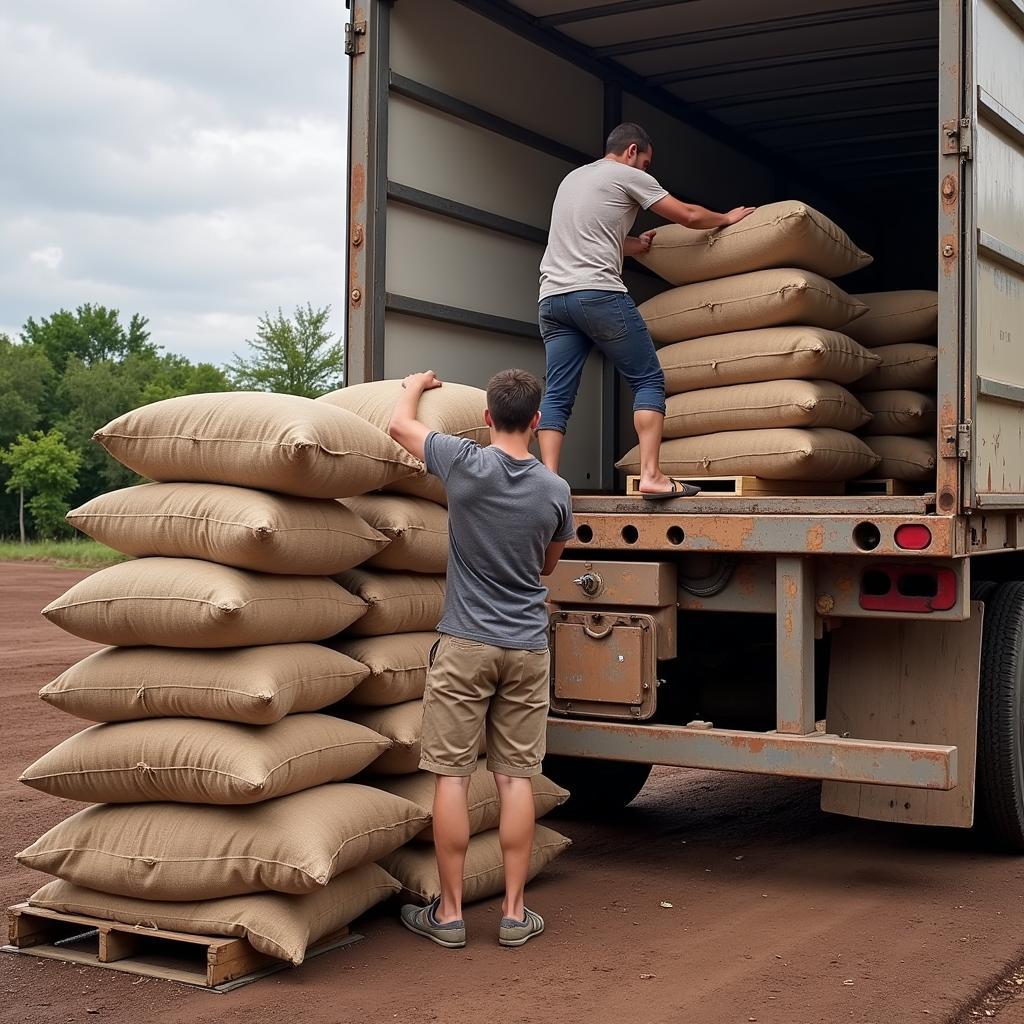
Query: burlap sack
point(898, 412)
point(415, 866)
point(895, 317)
point(254, 439)
point(904, 458)
point(400, 723)
point(910, 366)
point(252, 685)
point(417, 531)
point(183, 602)
point(820, 454)
point(396, 602)
point(188, 760)
point(766, 298)
point(273, 923)
point(484, 806)
point(780, 403)
point(786, 234)
point(396, 667)
point(231, 525)
point(774, 353)
point(179, 852)
point(423, 485)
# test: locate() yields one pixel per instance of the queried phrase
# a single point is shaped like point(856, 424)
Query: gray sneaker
point(517, 933)
point(421, 920)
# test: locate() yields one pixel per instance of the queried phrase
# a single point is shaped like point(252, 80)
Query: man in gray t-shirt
point(583, 301)
point(508, 521)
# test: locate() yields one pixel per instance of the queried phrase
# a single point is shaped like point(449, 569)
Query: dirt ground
point(778, 914)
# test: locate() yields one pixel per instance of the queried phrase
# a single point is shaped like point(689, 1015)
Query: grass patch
point(68, 554)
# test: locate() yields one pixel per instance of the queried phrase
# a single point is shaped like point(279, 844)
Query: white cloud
point(184, 161)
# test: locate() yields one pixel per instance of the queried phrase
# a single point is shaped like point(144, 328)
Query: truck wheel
point(999, 810)
point(596, 786)
point(981, 590)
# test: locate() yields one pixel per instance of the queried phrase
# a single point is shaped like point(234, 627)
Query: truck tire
point(596, 786)
point(981, 590)
point(999, 789)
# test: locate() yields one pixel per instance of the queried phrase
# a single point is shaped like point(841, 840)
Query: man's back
point(503, 513)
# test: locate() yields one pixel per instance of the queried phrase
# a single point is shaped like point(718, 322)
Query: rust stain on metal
point(950, 191)
point(948, 247)
point(729, 530)
point(787, 624)
point(358, 185)
point(815, 538)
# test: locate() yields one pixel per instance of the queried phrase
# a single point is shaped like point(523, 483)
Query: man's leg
point(649, 426)
point(451, 839)
point(565, 351)
point(515, 833)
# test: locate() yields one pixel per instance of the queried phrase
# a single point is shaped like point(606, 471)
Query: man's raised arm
point(692, 216)
point(404, 427)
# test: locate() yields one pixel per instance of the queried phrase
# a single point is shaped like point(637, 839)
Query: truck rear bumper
point(813, 756)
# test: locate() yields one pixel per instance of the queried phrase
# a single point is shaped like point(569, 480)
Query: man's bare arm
point(551, 556)
point(693, 216)
point(638, 246)
point(404, 427)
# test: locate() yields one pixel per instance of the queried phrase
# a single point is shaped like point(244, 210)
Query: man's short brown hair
point(625, 135)
point(513, 398)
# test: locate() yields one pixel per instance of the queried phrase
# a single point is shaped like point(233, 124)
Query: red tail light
point(898, 588)
point(913, 536)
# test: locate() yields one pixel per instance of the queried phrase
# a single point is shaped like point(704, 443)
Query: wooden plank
point(907, 681)
point(747, 486)
point(233, 959)
point(117, 945)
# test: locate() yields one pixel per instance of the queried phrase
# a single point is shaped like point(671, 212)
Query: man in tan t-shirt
point(584, 303)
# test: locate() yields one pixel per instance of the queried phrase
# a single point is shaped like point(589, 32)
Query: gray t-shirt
point(502, 515)
point(594, 209)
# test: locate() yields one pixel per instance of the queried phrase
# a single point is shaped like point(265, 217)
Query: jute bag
point(773, 353)
point(484, 805)
point(396, 602)
point(786, 234)
point(254, 439)
point(193, 761)
point(400, 723)
point(898, 412)
point(273, 923)
point(415, 867)
point(904, 458)
point(185, 852)
point(416, 529)
point(819, 454)
point(780, 403)
point(895, 317)
point(232, 525)
point(907, 366)
point(252, 685)
point(396, 666)
point(184, 602)
point(765, 298)
point(456, 409)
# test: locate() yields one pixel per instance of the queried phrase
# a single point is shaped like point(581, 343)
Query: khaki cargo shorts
point(471, 686)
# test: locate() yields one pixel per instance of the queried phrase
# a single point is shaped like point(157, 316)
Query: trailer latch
point(956, 137)
point(355, 38)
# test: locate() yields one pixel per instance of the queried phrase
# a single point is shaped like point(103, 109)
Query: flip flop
point(679, 490)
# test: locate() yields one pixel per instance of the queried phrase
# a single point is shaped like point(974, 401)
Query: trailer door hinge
point(956, 137)
point(355, 38)
point(956, 441)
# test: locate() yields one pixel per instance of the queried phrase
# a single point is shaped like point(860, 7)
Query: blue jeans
point(571, 325)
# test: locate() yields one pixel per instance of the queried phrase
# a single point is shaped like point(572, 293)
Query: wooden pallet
point(884, 487)
point(212, 962)
point(747, 486)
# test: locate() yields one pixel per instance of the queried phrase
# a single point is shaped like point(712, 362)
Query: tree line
point(68, 374)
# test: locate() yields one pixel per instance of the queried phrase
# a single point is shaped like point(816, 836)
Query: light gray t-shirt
point(594, 209)
point(502, 515)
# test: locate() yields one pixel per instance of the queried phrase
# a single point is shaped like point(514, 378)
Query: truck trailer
point(872, 641)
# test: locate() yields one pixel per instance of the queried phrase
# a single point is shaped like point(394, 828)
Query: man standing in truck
point(583, 301)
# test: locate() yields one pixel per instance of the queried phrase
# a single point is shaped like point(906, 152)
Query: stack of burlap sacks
point(900, 328)
point(222, 792)
point(758, 348)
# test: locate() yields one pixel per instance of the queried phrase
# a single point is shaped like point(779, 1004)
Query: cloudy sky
point(184, 159)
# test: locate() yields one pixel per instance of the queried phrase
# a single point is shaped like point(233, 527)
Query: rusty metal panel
point(993, 90)
point(905, 682)
point(603, 665)
point(643, 584)
point(930, 766)
point(794, 645)
point(762, 534)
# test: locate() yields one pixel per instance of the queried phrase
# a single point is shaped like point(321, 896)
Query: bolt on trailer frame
point(898, 745)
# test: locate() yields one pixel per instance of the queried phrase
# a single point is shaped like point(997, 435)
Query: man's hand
point(735, 216)
point(647, 240)
point(639, 246)
point(426, 381)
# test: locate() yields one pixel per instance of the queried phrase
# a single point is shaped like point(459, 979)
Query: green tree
point(26, 377)
point(90, 334)
point(43, 467)
point(294, 357)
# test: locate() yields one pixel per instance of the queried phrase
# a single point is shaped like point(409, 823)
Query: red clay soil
point(779, 913)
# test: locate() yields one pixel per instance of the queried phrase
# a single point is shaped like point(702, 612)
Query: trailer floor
point(778, 913)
